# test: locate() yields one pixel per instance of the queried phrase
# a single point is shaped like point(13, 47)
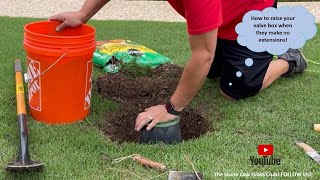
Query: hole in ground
point(136, 93)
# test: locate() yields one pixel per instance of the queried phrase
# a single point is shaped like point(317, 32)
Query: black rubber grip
point(17, 66)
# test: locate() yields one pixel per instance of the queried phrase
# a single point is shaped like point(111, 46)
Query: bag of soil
point(111, 54)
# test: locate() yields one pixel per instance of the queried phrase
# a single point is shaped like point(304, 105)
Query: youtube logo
point(265, 149)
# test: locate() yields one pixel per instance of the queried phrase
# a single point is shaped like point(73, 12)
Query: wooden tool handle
point(21, 107)
point(316, 127)
point(304, 146)
point(149, 163)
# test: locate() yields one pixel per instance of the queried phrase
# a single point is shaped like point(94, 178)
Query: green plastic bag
point(109, 54)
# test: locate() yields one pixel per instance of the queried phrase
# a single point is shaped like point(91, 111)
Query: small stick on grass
point(187, 158)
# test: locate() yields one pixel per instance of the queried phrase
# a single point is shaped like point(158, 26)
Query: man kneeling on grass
point(215, 53)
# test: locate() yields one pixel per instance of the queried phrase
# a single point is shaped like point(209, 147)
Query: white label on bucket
point(87, 94)
point(34, 85)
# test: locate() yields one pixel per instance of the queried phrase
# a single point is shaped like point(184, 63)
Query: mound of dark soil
point(136, 94)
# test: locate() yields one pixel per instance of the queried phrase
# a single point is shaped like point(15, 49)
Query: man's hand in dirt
point(68, 19)
point(154, 115)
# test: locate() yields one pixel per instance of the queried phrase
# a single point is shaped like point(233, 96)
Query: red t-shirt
point(205, 15)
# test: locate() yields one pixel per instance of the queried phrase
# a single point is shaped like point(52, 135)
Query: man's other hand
point(68, 19)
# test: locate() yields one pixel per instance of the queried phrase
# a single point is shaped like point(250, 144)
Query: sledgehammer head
point(180, 175)
point(168, 133)
point(29, 166)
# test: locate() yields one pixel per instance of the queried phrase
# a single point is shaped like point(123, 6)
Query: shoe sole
point(304, 59)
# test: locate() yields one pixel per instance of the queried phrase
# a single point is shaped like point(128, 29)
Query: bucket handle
point(27, 79)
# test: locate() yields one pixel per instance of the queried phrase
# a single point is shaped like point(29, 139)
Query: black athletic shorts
point(241, 70)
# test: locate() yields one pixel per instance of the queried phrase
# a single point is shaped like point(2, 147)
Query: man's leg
point(276, 69)
point(245, 73)
point(243, 70)
point(290, 63)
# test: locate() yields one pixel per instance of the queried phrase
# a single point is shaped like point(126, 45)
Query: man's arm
point(75, 18)
point(91, 7)
point(203, 49)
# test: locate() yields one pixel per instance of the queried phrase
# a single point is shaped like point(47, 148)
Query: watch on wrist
point(171, 110)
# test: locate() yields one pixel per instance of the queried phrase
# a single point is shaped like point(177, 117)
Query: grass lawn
point(281, 114)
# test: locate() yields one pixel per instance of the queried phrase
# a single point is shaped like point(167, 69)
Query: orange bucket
point(59, 71)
